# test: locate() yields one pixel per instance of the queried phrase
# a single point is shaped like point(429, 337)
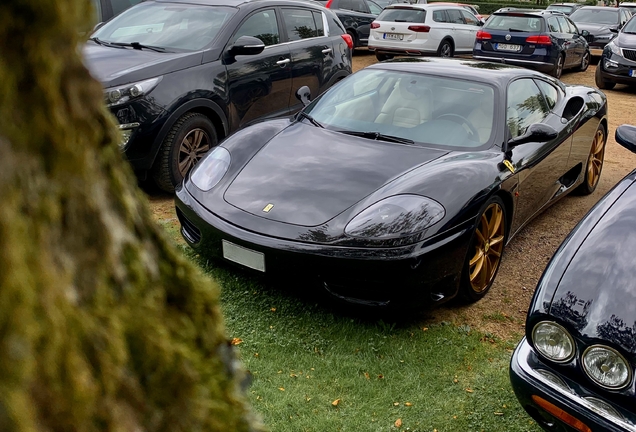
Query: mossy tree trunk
point(103, 325)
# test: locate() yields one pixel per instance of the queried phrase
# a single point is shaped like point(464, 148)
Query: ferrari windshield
point(409, 107)
point(172, 26)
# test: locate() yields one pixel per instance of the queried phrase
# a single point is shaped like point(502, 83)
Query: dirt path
point(502, 312)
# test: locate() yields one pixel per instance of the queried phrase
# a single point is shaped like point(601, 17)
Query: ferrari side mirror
point(537, 132)
point(626, 136)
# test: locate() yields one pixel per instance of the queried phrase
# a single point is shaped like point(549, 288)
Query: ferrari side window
point(525, 106)
point(550, 92)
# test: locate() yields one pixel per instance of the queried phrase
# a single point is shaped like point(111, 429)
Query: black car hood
point(597, 292)
point(596, 29)
point(625, 40)
point(310, 174)
point(117, 66)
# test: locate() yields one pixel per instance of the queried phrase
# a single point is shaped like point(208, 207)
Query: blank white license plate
point(393, 36)
point(508, 47)
point(244, 256)
point(632, 73)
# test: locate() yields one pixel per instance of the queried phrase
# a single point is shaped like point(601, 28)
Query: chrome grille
point(629, 54)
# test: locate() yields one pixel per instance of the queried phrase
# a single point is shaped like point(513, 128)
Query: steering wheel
point(462, 121)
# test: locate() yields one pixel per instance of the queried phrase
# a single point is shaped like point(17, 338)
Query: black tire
point(600, 82)
point(585, 62)
point(557, 70)
point(382, 57)
point(484, 250)
point(175, 159)
point(594, 166)
point(354, 37)
point(445, 49)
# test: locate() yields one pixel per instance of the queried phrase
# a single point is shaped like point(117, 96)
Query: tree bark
point(103, 324)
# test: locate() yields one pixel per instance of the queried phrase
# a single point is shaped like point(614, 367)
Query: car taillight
point(482, 35)
point(328, 5)
point(348, 39)
point(539, 40)
point(375, 25)
point(420, 28)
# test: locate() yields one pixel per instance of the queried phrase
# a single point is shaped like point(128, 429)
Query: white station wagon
point(416, 29)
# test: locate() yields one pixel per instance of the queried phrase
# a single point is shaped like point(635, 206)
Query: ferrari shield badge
point(509, 165)
point(268, 207)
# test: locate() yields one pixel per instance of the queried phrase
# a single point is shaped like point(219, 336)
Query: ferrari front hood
point(307, 175)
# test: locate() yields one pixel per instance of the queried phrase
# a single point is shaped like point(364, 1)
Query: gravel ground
point(502, 312)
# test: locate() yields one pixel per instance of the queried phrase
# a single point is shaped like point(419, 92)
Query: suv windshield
point(595, 16)
point(560, 8)
point(412, 108)
point(179, 27)
point(402, 15)
point(630, 27)
point(519, 23)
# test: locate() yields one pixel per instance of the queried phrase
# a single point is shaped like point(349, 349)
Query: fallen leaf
point(336, 402)
point(408, 404)
point(424, 328)
point(273, 309)
point(398, 423)
point(380, 376)
point(236, 341)
point(469, 390)
point(396, 403)
point(255, 354)
point(455, 381)
point(281, 388)
point(499, 413)
point(366, 375)
point(293, 375)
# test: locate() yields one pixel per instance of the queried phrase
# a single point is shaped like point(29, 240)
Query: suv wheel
point(558, 66)
point(445, 49)
point(600, 83)
point(187, 142)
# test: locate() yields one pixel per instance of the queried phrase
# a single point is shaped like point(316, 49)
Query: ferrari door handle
point(327, 51)
point(283, 62)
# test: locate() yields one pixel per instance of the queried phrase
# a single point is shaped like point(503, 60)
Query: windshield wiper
point(378, 136)
point(105, 43)
point(312, 120)
point(135, 45)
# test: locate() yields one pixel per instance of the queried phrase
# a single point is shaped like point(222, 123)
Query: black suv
point(356, 16)
point(618, 62)
point(546, 41)
point(180, 75)
point(602, 24)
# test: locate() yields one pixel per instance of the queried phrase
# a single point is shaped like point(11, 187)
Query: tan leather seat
point(408, 105)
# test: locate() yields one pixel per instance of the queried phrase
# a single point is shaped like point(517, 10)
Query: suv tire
point(598, 78)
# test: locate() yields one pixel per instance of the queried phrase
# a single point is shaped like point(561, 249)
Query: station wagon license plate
point(244, 256)
point(507, 47)
point(393, 36)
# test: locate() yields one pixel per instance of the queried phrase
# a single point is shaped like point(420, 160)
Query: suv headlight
point(606, 367)
point(118, 95)
point(613, 48)
point(211, 169)
point(553, 341)
point(396, 216)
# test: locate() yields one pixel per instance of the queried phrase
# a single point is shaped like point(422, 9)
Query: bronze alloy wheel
point(595, 161)
point(489, 244)
point(193, 147)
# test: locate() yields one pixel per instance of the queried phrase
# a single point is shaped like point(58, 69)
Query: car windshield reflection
point(427, 110)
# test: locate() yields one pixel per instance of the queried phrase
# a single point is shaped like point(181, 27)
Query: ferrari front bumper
point(424, 273)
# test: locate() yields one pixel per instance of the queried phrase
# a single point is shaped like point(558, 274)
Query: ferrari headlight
point(606, 367)
point(396, 216)
point(118, 95)
point(553, 341)
point(211, 169)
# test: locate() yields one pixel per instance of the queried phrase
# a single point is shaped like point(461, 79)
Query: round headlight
point(553, 341)
point(606, 367)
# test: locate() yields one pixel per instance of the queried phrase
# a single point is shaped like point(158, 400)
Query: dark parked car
point(181, 76)
point(545, 41)
point(402, 183)
point(106, 9)
point(618, 62)
point(564, 8)
point(574, 370)
point(356, 16)
point(602, 23)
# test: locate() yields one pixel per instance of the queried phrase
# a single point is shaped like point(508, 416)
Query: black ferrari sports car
point(574, 370)
point(402, 183)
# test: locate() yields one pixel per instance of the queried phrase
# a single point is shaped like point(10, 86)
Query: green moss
point(103, 325)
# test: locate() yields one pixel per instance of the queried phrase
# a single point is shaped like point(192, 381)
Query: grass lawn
point(317, 368)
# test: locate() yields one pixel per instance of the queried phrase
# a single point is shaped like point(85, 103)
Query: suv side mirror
point(537, 132)
point(247, 45)
point(584, 33)
point(626, 136)
point(303, 94)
